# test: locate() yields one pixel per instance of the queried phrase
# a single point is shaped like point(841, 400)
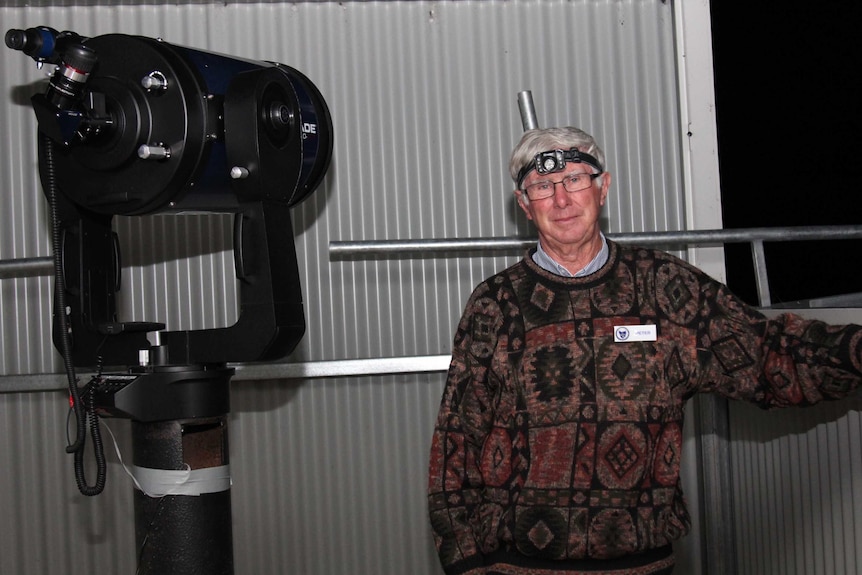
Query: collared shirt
point(546, 262)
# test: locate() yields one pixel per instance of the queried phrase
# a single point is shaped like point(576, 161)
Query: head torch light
point(552, 161)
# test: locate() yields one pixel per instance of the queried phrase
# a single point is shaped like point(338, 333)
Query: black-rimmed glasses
point(571, 183)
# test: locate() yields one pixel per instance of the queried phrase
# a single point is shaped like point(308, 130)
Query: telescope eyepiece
point(41, 43)
point(38, 43)
point(16, 39)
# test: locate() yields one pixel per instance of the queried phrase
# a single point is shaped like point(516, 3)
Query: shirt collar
point(546, 262)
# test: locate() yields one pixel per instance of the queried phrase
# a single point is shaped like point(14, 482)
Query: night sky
point(789, 109)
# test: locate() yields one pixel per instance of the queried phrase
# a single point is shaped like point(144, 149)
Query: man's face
point(566, 220)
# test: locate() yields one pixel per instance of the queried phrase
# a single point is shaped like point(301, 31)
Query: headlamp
point(552, 161)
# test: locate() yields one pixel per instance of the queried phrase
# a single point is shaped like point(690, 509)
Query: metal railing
point(26, 267)
point(348, 250)
point(686, 238)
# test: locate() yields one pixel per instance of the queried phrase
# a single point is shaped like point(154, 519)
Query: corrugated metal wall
point(799, 498)
point(329, 474)
point(797, 478)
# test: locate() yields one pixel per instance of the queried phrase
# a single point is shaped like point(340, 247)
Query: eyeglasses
point(571, 183)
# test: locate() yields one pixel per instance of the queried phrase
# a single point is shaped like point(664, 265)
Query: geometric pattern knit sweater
point(556, 447)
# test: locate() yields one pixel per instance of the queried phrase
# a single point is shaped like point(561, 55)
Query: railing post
point(758, 256)
point(712, 423)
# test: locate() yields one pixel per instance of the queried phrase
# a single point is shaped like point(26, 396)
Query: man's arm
point(776, 362)
point(455, 483)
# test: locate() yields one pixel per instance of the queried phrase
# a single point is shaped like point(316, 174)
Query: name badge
point(627, 333)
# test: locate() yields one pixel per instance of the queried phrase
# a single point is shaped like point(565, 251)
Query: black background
point(789, 112)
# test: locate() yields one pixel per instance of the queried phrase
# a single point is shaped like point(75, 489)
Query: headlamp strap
point(552, 161)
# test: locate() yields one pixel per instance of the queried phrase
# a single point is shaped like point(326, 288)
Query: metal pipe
point(26, 267)
point(528, 111)
point(265, 371)
point(343, 249)
point(438, 363)
point(761, 278)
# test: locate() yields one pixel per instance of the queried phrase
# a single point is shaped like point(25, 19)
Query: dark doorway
point(789, 107)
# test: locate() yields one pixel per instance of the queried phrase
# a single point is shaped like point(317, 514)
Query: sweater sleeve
point(779, 362)
point(455, 484)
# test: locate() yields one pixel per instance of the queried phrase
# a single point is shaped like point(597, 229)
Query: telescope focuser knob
point(238, 173)
point(154, 152)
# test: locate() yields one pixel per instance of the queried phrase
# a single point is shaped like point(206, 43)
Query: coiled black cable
point(98, 451)
point(82, 419)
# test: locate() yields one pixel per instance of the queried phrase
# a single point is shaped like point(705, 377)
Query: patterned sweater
point(555, 444)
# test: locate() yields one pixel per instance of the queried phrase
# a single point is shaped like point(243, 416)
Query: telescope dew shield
point(273, 115)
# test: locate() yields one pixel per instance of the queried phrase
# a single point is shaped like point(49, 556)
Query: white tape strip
point(161, 482)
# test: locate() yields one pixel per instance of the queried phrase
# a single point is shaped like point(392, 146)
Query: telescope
point(133, 126)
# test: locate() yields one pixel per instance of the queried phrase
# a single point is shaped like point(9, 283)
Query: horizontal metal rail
point(754, 236)
point(348, 249)
point(371, 248)
point(257, 372)
point(480, 246)
point(24, 267)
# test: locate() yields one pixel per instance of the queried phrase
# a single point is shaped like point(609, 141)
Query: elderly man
point(557, 447)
